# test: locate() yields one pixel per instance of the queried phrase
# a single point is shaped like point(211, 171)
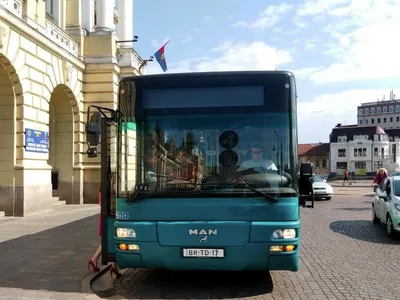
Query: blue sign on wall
point(36, 141)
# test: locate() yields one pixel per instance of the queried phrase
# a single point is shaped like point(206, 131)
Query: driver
point(257, 161)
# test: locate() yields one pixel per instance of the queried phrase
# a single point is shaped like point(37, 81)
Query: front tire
point(375, 219)
point(389, 227)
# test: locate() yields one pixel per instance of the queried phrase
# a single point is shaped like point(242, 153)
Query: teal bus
point(200, 172)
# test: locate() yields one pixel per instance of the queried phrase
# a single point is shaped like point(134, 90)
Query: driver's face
point(256, 153)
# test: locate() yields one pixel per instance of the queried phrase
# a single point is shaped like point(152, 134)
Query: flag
point(160, 56)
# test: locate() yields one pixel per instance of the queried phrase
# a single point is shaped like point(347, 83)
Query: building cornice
point(25, 29)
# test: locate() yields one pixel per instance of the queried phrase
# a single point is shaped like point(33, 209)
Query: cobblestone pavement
point(45, 256)
point(343, 256)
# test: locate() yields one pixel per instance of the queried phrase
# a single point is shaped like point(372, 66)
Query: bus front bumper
point(253, 256)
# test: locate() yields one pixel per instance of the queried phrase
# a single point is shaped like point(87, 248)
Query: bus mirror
point(93, 128)
point(306, 180)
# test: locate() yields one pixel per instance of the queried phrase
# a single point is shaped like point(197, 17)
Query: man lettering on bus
point(257, 161)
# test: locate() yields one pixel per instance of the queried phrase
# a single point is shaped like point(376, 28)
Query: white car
point(321, 188)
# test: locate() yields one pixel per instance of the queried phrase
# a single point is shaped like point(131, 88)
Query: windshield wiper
point(267, 197)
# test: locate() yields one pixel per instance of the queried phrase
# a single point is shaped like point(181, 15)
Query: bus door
point(100, 124)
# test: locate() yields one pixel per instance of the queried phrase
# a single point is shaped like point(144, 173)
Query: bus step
point(57, 201)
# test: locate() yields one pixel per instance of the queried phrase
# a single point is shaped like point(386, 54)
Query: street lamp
point(145, 61)
point(135, 39)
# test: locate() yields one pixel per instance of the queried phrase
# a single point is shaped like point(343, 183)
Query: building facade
point(362, 150)
point(317, 155)
point(56, 58)
point(385, 114)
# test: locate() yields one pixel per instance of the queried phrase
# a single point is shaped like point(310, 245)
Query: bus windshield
point(183, 155)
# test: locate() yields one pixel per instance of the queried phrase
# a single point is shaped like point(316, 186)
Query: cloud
point(325, 111)
point(268, 18)
point(319, 7)
point(364, 43)
point(230, 56)
point(187, 39)
point(206, 19)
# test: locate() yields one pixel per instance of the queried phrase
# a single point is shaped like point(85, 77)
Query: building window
point(360, 111)
point(360, 164)
point(49, 7)
point(384, 120)
point(384, 109)
point(379, 120)
point(360, 152)
point(397, 107)
point(390, 108)
point(341, 165)
point(342, 152)
point(378, 110)
point(317, 163)
point(366, 121)
point(367, 111)
point(372, 110)
point(391, 119)
point(397, 119)
point(360, 122)
point(372, 121)
point(324, 163)
point(378, 164)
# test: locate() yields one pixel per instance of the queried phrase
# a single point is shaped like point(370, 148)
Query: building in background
point(57, 57)
point(385, 114)
point(363, 149)
point(317, 154)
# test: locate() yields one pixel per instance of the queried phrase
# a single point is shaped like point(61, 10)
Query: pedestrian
point(381, 174)
point(94, 259)
point(346, 177)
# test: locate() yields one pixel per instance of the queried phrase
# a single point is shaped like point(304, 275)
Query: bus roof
point(207, 74)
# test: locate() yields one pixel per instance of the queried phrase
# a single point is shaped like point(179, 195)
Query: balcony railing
point(14, 6)
point(382, 156)
point(61, 38)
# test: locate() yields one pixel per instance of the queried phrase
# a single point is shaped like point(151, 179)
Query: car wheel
point(375, 219)
point(389, 227)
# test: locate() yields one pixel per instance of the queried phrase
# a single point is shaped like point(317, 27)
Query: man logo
point(203, 239)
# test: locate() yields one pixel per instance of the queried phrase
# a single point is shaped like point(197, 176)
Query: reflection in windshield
point(317, 178)
point(211, 153)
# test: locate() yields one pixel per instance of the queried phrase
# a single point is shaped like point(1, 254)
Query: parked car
point(386, 205)
point(321, 188)
point(394, 174)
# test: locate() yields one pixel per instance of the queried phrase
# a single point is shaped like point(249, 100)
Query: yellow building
point(56, 58)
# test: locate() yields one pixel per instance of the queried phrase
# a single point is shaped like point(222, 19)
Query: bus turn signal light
point(131, 247)
point(286, 248)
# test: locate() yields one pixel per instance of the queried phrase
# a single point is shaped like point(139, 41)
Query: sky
point(342, 52)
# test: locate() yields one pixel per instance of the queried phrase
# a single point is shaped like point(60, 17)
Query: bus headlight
point(126, 233)
point(285, 234)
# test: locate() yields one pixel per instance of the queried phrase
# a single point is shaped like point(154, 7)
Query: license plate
point(319, 191)
point(208, 253)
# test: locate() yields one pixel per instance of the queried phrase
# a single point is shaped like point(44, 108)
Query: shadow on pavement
point(353, 208)
point(53, 260)
point(164, 284)
point(363, 230)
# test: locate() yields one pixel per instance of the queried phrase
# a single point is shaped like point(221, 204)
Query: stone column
point(88, 14)
point(105, 15)
point(125, 24)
